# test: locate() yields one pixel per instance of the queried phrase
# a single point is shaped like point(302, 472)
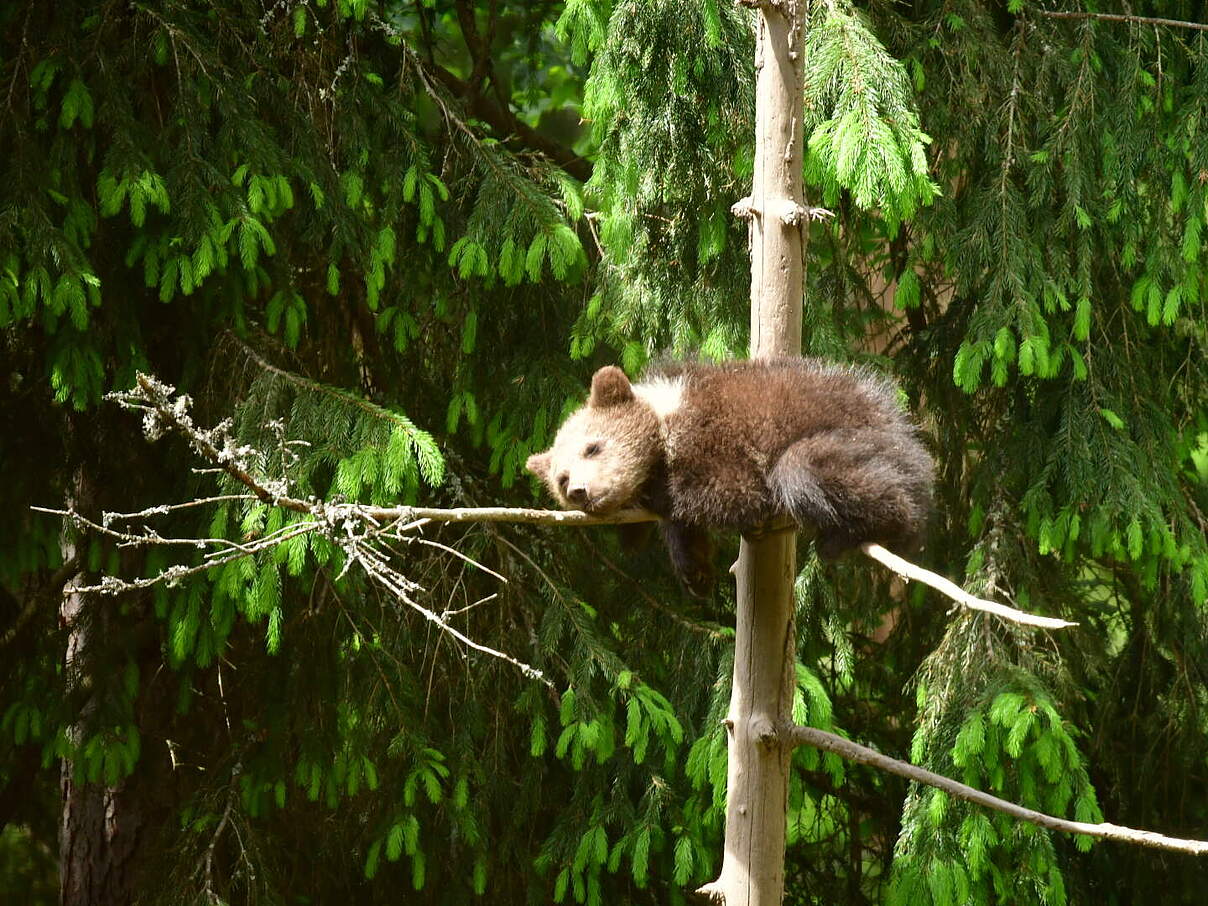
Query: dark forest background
point(405, 233)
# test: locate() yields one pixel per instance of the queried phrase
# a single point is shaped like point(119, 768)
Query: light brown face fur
point(604, 452)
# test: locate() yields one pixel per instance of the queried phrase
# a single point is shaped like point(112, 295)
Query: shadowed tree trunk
point(98, 831)
point(99, 842)
point(106, 832)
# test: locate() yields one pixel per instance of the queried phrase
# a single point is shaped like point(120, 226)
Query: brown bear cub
point(737, 444)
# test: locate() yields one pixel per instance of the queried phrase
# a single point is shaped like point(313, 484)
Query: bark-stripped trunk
point(777, 211)
point(752, 872)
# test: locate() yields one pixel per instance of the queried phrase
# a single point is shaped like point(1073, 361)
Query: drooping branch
point(845, 748)
point(508, 128)
point(376, 564)
point(514, 131)
point(360, 536)
point(909, 570)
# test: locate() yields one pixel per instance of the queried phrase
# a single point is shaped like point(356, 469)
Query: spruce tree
point(376, 235)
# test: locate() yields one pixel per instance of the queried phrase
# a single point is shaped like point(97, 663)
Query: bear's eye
point(591, 450)
point(563, 480)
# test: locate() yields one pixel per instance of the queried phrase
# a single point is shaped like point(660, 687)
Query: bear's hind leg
point(851, 486)
point(691, 553)
point(797, 490)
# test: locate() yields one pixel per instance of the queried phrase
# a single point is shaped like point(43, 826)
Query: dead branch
point(845, 748)
point(215, 445)
point(1116, 17)
point(211, 895)
point(908, 570)
point(363, 532)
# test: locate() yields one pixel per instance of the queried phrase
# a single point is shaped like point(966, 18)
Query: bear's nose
point(577, 495)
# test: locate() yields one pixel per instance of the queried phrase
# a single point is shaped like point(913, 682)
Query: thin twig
point(377, 567)
point(908, 570)
point(149, 537)
point(445, 614)
point(458, 554)
point(165, 508)
point(845, 748)
point(213, 897)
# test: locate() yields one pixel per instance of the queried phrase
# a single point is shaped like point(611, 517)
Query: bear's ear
point(609, 386)
point(538, 464)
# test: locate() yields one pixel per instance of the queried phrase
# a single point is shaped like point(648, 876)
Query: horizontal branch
point(176, 417)
point(1117, 17)
point(845, 748)
point(217, 446)
point(909, 570)
point(521, 515)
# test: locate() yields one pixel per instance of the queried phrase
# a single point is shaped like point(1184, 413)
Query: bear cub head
point(605, 451)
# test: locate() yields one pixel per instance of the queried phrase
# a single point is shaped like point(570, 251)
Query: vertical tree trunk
point(752, 872)
point(776, 207)
point(103, 830)
point(99, 841)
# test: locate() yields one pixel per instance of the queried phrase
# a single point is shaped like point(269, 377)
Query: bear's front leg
point(691, 552)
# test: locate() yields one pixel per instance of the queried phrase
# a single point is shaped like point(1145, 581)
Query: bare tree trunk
point(752, 872)
point(777, 210)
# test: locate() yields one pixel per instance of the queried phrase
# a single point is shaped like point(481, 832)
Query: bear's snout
point(577, 495)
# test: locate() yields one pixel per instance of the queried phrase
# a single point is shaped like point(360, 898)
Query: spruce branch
point(345, 398)
point(845, 748)
point(511, 130)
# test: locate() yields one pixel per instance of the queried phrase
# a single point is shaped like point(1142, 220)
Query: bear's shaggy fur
point(737, 444)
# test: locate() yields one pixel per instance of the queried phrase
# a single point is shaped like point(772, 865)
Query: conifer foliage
point(378, 238)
